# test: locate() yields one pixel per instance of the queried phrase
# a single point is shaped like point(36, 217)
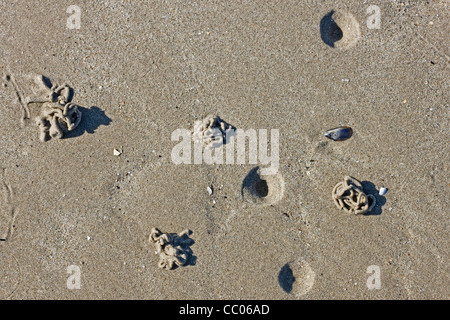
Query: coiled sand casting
point(349, 196)
point(58, 114)
point(174, 249)
point(56, 119)
point(212, 131)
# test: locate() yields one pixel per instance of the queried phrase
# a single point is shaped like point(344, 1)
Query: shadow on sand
point(91, 119)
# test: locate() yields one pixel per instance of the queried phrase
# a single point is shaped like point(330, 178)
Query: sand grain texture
point(141, 71)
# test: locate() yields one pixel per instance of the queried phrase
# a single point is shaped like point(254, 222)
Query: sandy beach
point(77, 212)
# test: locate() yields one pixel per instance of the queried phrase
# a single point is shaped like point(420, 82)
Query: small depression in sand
point(296, 277)
point(339, 29)
point(262, 189)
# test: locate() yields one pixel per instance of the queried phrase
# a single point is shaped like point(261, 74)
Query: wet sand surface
point(141, 71)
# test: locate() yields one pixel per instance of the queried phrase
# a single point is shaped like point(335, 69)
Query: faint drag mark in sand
point(262, 189)
point(335, 153)
point(226, 226)
point(339, 29)
point(9, 78)
point(7, 212)
point(10, 275)
point(436, 49)
point(296, 277)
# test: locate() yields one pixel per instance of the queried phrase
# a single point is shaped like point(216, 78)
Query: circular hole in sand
point(262, 189)
point(296, 277)
point(339, 29)
point(286, 278)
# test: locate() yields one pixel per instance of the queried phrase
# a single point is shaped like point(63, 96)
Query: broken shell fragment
point(339, 133)
point(382, 191)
